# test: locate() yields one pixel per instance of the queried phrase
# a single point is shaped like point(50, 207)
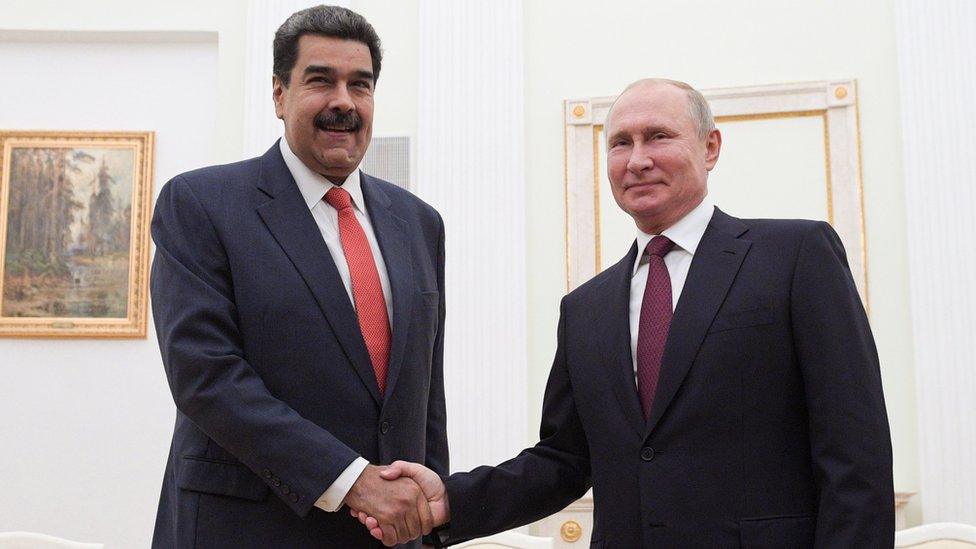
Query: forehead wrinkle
point(642, 87)
point(318, 69)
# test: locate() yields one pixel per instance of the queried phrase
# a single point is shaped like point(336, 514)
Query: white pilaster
point(936, 41)
point(261, 127)
point(471, 167)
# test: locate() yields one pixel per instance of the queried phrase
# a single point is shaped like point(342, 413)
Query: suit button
point(385, 427)
point(294, 498)
point(647, 453)
point(266, 473)
point(276, 482)
point(285, 489)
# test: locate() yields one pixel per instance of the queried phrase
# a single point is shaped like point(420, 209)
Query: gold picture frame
point(835, 102)
point(74, 233)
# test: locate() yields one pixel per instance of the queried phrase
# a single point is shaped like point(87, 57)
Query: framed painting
point(74, 233)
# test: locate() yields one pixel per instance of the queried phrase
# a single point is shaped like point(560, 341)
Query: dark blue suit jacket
point(768, 428)
point(274, 388)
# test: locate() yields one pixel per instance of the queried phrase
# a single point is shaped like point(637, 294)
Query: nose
point(341, 100)
point(639, 161)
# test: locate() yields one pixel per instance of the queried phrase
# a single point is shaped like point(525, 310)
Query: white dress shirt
point(686, 234)
point(313, 187)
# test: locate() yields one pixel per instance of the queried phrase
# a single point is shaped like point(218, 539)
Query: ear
point(277, 92)
point(713, 146)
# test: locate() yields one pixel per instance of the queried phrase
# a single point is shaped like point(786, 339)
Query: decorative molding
point(470, 165)
point(571, 527)
point(835, 101)
point(947, 535)
point(108, 37)
point(902, 499)
point(938, 81)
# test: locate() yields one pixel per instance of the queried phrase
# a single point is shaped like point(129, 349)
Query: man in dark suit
point(299, 313)
point(750, 414)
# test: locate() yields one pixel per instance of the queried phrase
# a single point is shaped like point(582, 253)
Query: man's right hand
point(398, 504)
point(429, 482)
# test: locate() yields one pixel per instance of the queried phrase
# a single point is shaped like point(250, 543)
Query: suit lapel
point(391, 232)
point(289, 220)
point(616, 319)
point(714, 267)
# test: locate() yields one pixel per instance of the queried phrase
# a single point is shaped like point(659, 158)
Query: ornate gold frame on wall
point(835, 102)
point(133, 324)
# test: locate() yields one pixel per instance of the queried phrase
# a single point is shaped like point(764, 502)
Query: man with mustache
point(300, 314)
point(717, 387)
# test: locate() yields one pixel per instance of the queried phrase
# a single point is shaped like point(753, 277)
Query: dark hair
point(332, 21)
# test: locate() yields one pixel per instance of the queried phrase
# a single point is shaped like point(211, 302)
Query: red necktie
point(655, 322)
point(367, 292)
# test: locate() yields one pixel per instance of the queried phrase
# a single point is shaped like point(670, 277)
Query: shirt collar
point(686, 233)
point(313, 186)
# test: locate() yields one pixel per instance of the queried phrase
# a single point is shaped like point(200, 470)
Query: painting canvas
point(74, 233)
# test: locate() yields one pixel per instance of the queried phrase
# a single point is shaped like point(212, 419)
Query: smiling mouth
point(643, 184)
point(338, 122)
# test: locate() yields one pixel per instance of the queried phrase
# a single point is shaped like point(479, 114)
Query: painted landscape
point(68, 231)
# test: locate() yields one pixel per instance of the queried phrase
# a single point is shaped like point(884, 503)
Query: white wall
point(397, 91)
point(86, 424)
point(471, 167)
point(936, 41)
point(572, 48)
point(581, 48)
point(224, 17)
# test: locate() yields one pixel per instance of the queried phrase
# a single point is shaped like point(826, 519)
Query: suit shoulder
point(406, 200)
point(593, 290)
point(783, 230)
point(216, 179)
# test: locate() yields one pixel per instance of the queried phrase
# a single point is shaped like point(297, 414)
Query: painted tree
point(101, 213)
point(42, 209)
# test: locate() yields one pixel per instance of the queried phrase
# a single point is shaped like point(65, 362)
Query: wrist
point(356, 495)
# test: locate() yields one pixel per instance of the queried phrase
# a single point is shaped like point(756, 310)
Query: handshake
point(400, 502)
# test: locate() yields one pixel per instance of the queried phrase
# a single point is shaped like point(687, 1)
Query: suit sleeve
point(212, 383)
point(849, 437)
point(437, 450)
point(539, 481)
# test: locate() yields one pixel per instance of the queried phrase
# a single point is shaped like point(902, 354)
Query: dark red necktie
point(367, 292)
point(655, 322)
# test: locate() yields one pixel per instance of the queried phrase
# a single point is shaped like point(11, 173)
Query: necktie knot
point(659, 246)
point(338, 198)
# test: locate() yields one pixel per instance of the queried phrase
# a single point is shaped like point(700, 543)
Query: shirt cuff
point(333, 497)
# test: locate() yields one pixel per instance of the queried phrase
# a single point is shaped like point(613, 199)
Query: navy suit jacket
point(274, 388)
point(768, 428)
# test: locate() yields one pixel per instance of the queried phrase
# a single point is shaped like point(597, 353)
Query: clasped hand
point(400, 502)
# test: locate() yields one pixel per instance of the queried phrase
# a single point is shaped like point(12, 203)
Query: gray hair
point(698, 107)
point(331, 21)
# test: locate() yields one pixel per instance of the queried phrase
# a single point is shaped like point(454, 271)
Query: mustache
point(336, 119)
